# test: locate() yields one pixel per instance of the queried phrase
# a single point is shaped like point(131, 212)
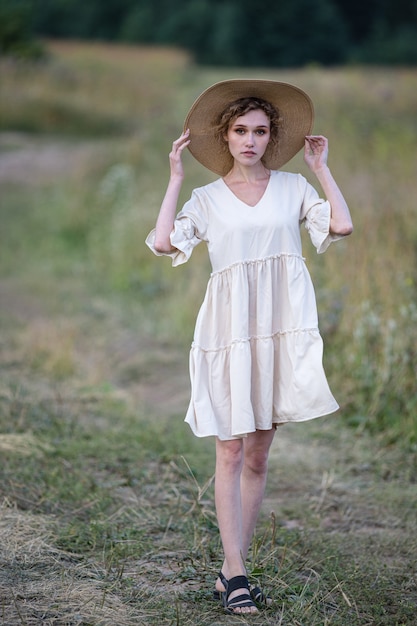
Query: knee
point(230, 455)
point(256, 461)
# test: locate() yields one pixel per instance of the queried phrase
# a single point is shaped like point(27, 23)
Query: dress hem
point(275, 422)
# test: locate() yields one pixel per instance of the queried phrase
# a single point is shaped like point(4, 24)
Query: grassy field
point(106, 500)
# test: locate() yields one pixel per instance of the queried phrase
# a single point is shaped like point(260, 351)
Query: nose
point(249, 139)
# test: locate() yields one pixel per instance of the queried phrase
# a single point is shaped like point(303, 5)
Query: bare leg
point(252, 481)
point(229, 462)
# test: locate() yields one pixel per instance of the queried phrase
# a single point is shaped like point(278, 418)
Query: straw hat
point(294, 106)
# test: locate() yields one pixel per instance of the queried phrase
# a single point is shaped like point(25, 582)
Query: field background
point(106, 500)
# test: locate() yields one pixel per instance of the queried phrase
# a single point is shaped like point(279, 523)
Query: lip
point(249, 153)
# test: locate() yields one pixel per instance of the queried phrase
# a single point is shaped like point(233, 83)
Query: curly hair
point(241, 107)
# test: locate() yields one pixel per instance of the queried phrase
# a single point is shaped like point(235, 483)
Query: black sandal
point(242, 601)
point(257, 595)
point(217, 595)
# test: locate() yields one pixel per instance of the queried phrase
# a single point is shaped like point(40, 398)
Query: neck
point(253, 174)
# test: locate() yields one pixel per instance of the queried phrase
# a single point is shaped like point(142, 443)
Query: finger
point(311, 141)
point(314, 143)
point(316, 139)
point(311, 148)
point(319, 145)
point(184, 135)
point(180, 141)
point(184, 145)
point(176, 152)
point(176, 143)
point(179, 147)
point(181, 138)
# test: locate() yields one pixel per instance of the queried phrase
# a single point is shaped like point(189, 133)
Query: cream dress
point(256, 357)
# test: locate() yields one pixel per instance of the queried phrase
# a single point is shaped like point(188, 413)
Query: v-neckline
point(250, 206)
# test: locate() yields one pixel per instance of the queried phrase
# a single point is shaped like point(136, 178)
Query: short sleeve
point(316, 213)
point(189, 230)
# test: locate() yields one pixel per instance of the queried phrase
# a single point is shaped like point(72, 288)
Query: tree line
point(235, 33)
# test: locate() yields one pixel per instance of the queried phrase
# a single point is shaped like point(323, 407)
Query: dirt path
point(345, 478)
point(34, 160)
point(355, 498)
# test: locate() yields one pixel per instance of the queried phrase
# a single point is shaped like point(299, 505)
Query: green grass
point(106, 499)
point(92, 221)
point(127, 508)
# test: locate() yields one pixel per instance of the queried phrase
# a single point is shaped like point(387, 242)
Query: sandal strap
point(241, 601)
point(256, 592)
point(237, 582)
point(258, 595)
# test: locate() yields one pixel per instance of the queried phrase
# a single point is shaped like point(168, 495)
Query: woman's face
point(248, 137)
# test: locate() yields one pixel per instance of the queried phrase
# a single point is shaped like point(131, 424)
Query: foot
point(257, 595)
point(237, 599)
point(220, 586)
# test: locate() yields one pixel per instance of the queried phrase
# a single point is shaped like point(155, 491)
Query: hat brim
point(296, 113)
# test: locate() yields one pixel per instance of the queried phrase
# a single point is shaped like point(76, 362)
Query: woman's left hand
point(316, 151)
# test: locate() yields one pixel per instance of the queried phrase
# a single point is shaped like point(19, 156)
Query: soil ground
point(353, 495)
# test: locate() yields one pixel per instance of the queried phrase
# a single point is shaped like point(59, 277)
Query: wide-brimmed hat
point(296, 121)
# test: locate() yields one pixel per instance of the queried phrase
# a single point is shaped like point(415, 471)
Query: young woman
point(256, 358)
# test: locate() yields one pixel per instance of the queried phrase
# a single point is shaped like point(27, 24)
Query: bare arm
point(316, 152)
point(167, 212)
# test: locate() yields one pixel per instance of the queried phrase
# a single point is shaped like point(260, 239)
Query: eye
point(240, 131)
point(261, 131)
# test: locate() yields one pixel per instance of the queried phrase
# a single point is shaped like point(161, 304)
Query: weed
point(107, 511)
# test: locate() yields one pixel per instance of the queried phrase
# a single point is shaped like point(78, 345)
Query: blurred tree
point(292, 33)
point(225, 37)
point(81, 18)
point(236, 32)
point(397, 14)
point(16, 30)
point(138, 24)
point(358, 16)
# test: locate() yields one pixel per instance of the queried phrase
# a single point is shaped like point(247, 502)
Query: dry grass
point(70, 91)
point(107, 514)
point(40, 584)
point(104, 522)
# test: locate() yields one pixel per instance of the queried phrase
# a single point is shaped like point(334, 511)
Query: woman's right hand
point(166, 217)
point(175, 156)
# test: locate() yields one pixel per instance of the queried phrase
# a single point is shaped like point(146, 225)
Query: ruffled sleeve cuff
point(317, 223)
point(183, 239)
